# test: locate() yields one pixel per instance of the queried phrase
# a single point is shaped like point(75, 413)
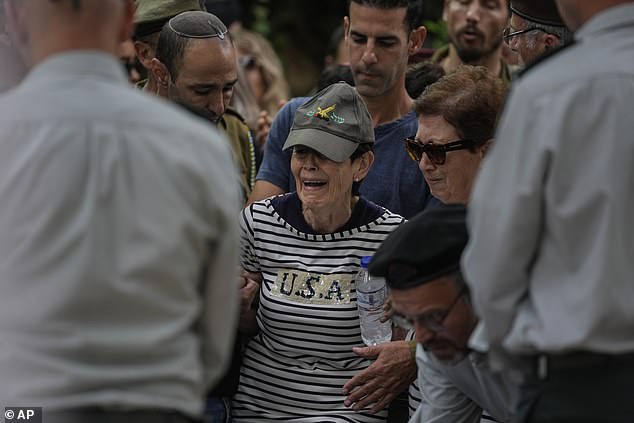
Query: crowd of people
point(179, 238)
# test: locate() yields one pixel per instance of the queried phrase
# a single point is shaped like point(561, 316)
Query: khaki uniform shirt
point(505, 73)
point(238, 134)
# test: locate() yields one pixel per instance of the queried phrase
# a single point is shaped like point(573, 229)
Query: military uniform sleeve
point(243, 146)
point(505, 216)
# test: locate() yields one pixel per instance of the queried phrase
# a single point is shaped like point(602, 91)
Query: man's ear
point(145, 53)
point(416, 39)
point(484, 148)
point(160, 72)
point(550, 41)
point(346, 27)
point(16, 23)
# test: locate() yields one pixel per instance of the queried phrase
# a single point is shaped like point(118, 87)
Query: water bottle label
point(372, 299)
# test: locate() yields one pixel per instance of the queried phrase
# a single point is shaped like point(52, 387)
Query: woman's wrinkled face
point(322, 183)
point(450, 182)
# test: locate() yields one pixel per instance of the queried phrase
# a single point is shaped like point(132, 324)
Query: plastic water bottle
point(371, 296)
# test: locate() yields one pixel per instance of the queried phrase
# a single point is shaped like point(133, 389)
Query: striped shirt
point(295, 368)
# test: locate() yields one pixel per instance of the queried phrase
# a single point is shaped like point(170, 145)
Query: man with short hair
point(149, 18)
point(535, 28)
point(197, 67)
point(421, 263)
point(118, 297)
point(549, 260)
point(475, 30)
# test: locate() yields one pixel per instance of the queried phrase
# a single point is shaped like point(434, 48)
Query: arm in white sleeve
point(505, 218)
point(220, 287)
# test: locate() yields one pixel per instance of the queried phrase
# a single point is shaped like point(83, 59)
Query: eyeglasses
point(433, 321)
point(437, 153)
point(507, 35)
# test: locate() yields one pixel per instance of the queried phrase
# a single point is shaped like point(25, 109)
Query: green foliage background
point(300, 31)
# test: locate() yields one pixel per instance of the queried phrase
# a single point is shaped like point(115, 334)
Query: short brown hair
point(470, 99)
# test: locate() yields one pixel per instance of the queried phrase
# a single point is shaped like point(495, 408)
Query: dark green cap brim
point(334, 147)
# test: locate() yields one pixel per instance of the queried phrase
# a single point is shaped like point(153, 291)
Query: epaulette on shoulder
point(233, 112)
point(544, 57)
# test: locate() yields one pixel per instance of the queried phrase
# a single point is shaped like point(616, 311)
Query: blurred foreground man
point(420, 261)
point(118, 294)
point(549, 262)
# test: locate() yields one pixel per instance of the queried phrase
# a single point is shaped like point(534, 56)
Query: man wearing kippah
point(196, 66)
point(149, 18)
point(421, 263)
point(535, 28)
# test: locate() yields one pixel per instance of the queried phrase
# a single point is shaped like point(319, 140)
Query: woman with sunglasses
point(457, 116)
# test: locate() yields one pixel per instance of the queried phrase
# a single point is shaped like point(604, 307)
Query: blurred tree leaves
point(300, 31)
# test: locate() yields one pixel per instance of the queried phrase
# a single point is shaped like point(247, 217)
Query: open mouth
point(314, 184)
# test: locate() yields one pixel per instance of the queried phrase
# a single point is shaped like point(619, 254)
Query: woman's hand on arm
point(249, 289)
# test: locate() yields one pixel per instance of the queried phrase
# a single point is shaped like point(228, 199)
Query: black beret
point(539, 11)
point(427, 247)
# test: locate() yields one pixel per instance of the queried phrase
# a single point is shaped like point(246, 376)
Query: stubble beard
point(476, 55)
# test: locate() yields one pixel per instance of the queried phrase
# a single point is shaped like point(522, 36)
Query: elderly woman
point(457, 116)
point(307, 245)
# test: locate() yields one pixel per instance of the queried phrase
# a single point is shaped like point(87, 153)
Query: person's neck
point(329, 221)
point(389, 106)
point(69, 41)
point(493, 61)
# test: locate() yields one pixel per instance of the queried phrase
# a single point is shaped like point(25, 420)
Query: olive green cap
point(334, 122)
point(151, 15)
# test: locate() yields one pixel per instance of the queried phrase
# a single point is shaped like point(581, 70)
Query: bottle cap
point(365, 261)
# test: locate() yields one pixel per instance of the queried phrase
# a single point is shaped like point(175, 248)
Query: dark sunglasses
point(437, 153)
